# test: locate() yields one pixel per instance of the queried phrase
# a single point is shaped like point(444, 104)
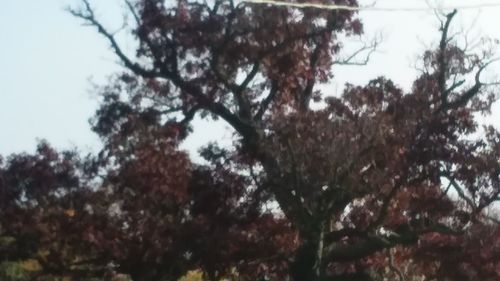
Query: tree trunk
point(309, 264)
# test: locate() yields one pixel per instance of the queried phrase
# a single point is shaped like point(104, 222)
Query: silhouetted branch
point(368, 48)
point(267, 101)
point(442, 60)
point(371, 244)
point(463, 99)
point(132, 10)
point(87, 14)
point(459, 190)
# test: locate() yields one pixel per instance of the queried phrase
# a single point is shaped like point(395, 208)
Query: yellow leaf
point(194, 275)
point(31, 265)
point(70, 212)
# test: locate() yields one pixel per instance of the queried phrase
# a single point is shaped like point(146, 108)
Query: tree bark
point(309, 263)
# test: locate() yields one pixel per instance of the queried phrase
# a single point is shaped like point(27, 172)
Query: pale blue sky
point(47, 57)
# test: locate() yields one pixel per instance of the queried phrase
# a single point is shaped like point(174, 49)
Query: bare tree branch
point(459, 190)
point(442, 60)
point(368, 48)
point(87, 14)
point(473, 91)
point(243, 102)
point(267, 101)
point(453, 87)
point(132, 10)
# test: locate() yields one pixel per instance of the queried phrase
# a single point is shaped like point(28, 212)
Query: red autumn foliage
point(377, 183)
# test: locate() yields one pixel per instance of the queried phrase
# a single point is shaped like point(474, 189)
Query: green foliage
point(14, 271)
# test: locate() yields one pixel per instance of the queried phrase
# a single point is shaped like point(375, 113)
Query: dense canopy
point(378, 183)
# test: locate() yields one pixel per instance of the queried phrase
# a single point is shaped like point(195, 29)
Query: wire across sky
point(373, 8)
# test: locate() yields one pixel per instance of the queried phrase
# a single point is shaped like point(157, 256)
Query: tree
point(377, 183)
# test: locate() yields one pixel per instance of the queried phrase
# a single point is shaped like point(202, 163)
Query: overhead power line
point(369, 8)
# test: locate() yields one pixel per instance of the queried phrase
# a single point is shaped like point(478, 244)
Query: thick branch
point(472, 92)
point(189, 115)
point(370, 245)
point(459, 190)
point(443, 65)
point(237, 90)
point(250, 76)
point(239, 93)
point(344, 232)
point(442, 60)
point(308, 89)
point(267, 101)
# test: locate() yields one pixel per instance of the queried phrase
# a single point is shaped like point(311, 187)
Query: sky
point(48, 62)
